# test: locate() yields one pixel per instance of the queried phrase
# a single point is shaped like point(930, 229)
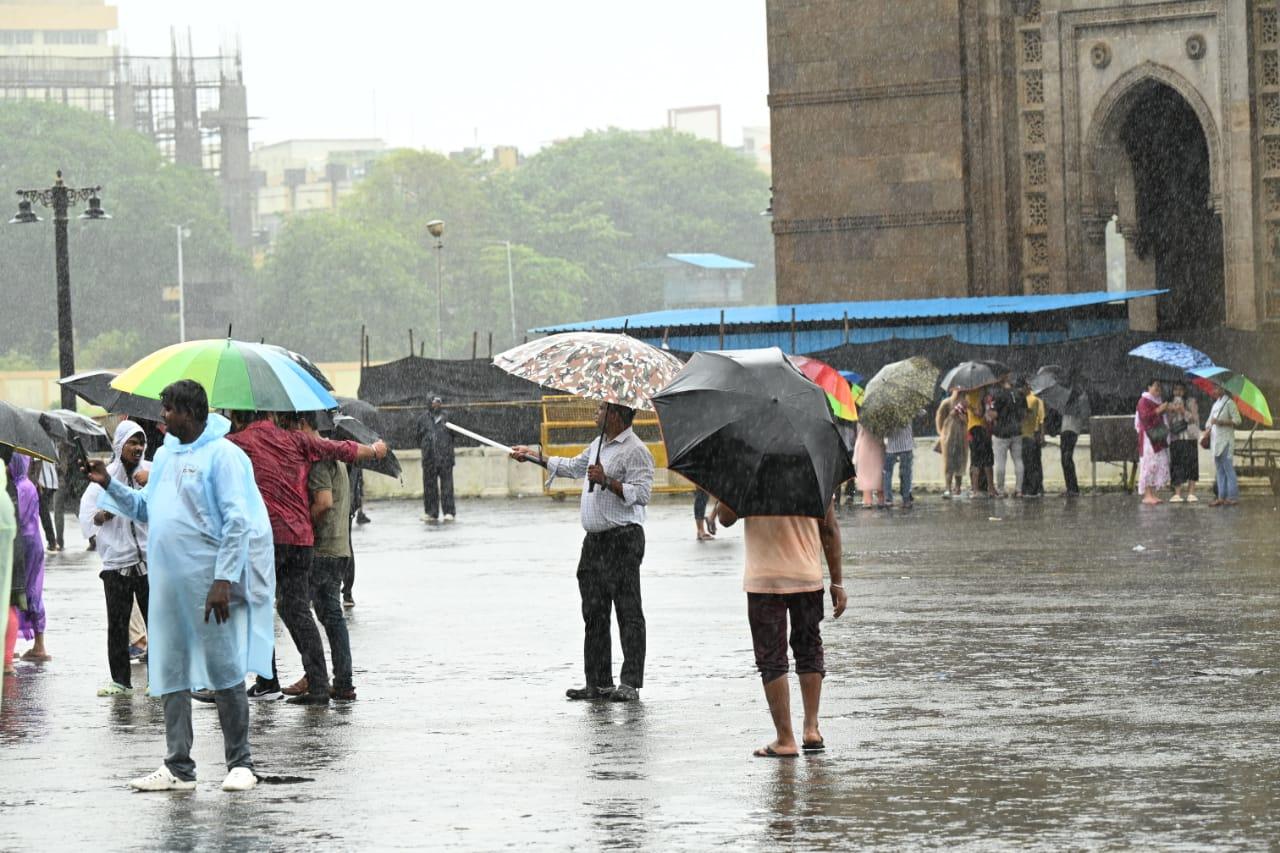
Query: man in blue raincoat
point(210, 555)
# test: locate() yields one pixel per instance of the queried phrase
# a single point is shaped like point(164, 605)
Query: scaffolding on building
point(193, 108)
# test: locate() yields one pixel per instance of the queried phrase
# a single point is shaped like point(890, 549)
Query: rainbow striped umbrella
point(235, 375)
point(1247, 396)
point(840, 394)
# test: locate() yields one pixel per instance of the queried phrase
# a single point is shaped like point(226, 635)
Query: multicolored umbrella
point(1173, 354)
point(896, 393)
point(855, 381)
point(235, 374)
point(840, 395)
point(595, 365)
point(1247, 396)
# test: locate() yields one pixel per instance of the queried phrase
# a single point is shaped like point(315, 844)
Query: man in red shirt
point(281, 463)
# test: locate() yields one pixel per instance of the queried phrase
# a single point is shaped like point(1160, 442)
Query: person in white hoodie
point(122, 546)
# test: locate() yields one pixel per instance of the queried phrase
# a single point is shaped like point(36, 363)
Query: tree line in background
point(587, 219)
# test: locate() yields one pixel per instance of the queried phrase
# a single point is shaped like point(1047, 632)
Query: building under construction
point(193, 108)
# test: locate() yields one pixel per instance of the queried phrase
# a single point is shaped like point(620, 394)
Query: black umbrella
point(68, 426)
point(305, 363)
point(1049, 385)
point(95, 387)
point(751, 430)
point(20, 429)
point(968, 375)
point(345, 426)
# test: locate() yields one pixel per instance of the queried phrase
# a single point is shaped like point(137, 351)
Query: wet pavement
point(1030, 682)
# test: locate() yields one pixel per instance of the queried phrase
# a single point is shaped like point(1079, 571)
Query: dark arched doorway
point(1177, 229)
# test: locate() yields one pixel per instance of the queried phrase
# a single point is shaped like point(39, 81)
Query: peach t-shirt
point(784, 554)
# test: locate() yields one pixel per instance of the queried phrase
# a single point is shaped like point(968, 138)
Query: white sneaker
point(1192, 499)
point(430, 519)
point(448, 517)
point(946, 495)
point(1175, 499)
point(240, 779)
point(161, 780)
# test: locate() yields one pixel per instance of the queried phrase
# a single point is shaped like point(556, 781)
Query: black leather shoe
point(588, 692)
point(624, 693)
point(309, 698)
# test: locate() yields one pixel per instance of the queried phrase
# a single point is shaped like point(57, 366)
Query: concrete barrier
point(482, 472)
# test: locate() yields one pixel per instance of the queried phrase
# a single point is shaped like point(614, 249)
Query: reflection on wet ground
point(1009, 674)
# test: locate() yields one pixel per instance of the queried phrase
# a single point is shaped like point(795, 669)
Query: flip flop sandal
point(770, 752)
point(814, 746)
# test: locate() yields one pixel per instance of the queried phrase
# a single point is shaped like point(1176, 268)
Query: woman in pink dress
point(868, 461)
point(1153, 451)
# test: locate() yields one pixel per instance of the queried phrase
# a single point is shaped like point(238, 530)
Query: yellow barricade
point(568, 426)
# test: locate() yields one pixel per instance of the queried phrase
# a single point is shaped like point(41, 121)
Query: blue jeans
point(1225, 469)
point(904, 457)
point(327, 574)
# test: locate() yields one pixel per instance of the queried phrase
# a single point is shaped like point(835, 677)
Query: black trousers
point(609, 579)
point(293, 603)
point(1032, 467)
point(1068, 442)
point(120, 593)
point(437, 490)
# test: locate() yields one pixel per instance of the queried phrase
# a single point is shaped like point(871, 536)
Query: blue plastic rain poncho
point(207, 522)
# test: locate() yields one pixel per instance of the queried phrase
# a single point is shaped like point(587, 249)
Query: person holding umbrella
point(1153, 442)
point(1220, 438)
point(783, 581)
point(31, 619)
point(615, 493)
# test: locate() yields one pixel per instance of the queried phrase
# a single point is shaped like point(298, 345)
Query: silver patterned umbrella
point(594, 365)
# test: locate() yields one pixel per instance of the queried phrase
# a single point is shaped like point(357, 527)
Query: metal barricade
point(1112, 438)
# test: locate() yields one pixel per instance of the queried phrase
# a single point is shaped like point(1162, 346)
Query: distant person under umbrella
point(980, 415)
point(613, 515)
point(1224, 417)
point(1153, 442)
point(1010, 405)
point(435, 439)
point(12, 556)
point(1184, 454)
point(1032, 442)
point(950, 420)
point(868, 462)
point(1075, 422)
point(45, 476)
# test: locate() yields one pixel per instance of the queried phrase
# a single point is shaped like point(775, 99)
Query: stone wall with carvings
point(867, 127)
point(956, 147)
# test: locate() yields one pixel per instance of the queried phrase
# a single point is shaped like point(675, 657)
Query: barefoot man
point(784, 578)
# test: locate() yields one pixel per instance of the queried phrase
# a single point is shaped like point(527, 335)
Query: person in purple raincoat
point(31, 621)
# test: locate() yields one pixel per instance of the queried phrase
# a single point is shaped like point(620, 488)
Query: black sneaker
point(309, 698)
point(361, 518)
point(588, 692)
point(348, 601)
point(265, 691)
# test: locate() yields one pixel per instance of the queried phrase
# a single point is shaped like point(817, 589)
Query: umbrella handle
point(591, 487)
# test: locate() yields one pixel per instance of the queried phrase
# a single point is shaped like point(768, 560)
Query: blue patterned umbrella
point(1173, 354)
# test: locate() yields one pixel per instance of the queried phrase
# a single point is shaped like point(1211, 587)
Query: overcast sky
point(442, 75)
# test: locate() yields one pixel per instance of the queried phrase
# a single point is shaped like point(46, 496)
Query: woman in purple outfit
point(30, 621)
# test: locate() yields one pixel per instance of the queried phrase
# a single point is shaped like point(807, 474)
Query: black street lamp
point(60, 197)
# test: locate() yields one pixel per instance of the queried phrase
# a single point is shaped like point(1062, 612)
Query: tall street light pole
point(182, 232)
point(511, 289)
point(60, 197)
point(436, 229)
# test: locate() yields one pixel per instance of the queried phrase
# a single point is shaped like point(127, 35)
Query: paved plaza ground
point(1009, 674)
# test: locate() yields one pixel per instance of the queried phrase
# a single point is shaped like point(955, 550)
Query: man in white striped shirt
point(618, 479)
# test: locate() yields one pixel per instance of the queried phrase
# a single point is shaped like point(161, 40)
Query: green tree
point(119, 267)
point(328, 275)
point(616, 202)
